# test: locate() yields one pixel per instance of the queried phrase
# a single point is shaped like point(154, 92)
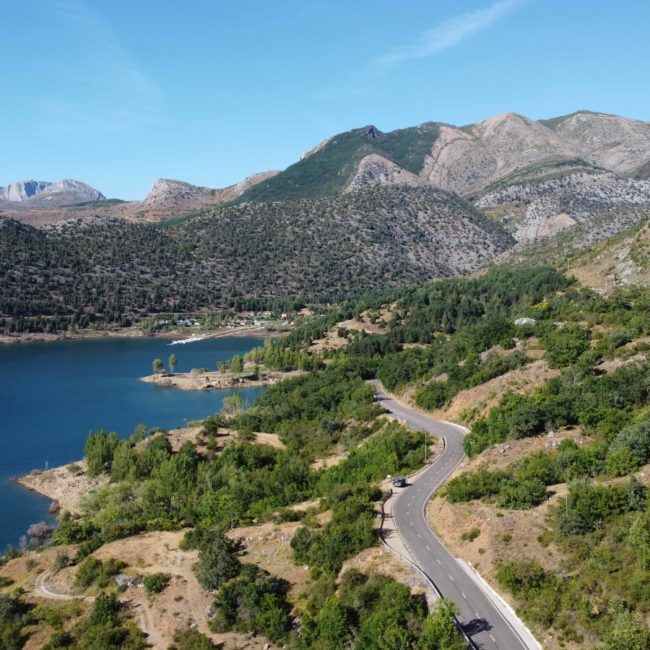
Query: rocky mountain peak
point(372, 132)
point(42, 194)
point(22, 190)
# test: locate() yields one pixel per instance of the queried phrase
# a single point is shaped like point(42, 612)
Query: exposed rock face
point(22, 190)
point(67, 192)
point(373, 132)
point(376, 170)
point(232, 192)
point(623, 261)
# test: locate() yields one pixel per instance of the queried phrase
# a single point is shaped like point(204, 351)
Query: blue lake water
point(53, 394)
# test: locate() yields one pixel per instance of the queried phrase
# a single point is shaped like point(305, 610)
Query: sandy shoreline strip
point(215, 380)
point(134, 332)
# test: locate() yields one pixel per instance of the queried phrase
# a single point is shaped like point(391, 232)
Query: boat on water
point(192, 339)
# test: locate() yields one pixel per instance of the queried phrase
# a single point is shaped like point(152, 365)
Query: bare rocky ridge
point(540, 178)
point(173, 196)
point(619, 144)
point(467, 160)
point(167, 198)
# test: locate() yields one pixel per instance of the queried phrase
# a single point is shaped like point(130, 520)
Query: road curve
point(481, 620)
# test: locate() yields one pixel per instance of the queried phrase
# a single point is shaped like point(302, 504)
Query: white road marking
point(493, 639)
point(463, 595)
point(451, 577)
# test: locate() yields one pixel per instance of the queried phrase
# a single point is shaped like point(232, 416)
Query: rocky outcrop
point(467, 160)
point(67, 192)
point(171, 194)
point(376, 170)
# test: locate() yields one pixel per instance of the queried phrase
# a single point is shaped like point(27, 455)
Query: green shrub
point(191, 639)
point(156, 582)
point(564, 345)
point(470, 535)
point(522, 494)
point(217, 561)
point(254, 602)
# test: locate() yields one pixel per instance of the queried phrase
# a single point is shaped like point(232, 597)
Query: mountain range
point(361, 210)
point(522, 170)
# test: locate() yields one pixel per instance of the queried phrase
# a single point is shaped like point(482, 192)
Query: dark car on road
point(400, 482)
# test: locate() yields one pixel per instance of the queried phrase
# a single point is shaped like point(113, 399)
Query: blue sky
point(117, 93)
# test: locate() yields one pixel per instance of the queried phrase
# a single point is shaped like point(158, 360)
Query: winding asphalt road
point(482, 621)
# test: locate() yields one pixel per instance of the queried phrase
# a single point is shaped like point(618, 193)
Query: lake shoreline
point(134, 332)
point(64, 485)
point(85, 385)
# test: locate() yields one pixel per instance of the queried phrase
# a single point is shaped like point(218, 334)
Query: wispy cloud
point(447, 34)
point(103, 88)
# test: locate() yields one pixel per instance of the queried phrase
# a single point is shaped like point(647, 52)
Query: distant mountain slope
point(601, 202)
point(174, 197)
point(112, 270)
point(22, 190)
point(37, 194)
point(167, 198)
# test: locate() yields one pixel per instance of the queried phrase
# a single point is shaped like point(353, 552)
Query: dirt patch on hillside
point(268, 546)
point(364, 326)
point(612, 365)
point(331, 341)
point(182, 603)
point(177, 437)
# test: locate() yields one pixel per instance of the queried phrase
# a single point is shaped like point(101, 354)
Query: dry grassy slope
point(623, 260)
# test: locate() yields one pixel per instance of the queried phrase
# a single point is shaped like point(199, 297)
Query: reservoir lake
point(52, 394)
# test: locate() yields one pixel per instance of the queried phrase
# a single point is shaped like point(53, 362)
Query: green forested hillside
point(115, 272)
point(329, 170)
